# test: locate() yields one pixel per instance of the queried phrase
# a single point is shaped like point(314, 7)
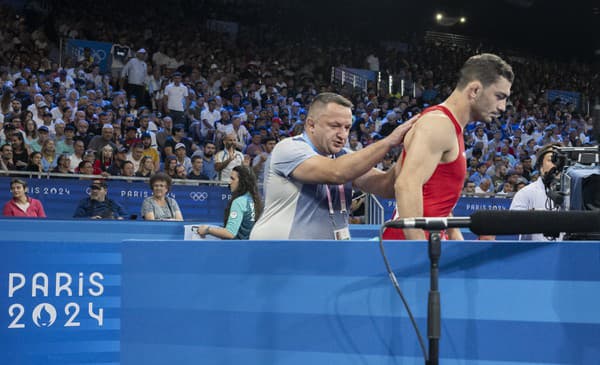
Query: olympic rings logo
point(199, 196)
point(97, 54)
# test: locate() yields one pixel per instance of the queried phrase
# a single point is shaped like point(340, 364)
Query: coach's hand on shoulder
point(398, 134)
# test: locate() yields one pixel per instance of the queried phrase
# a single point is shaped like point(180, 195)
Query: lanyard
point(340, 187)
point(342, 200)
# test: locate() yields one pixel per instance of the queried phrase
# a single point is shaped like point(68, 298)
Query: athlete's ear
point(474, 89)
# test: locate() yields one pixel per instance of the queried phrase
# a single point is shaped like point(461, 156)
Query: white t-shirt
point(223, 155)
point(532, 197)
point(176, 95)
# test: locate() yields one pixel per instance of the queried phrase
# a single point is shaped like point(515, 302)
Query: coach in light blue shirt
point(309, 178)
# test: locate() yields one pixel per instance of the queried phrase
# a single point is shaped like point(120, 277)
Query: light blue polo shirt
point(294, 210)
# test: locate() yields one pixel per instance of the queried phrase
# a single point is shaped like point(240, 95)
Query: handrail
point(375, 212)
point(49, 175)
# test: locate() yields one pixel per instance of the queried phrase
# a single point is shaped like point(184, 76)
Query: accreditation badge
point(340, 227)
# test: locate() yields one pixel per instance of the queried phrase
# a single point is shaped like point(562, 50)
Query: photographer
point(534, 195)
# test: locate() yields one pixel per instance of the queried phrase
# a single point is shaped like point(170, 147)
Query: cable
point(399, 291)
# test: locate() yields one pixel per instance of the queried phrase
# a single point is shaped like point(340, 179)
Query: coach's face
point(489, 102)
point(329, 129)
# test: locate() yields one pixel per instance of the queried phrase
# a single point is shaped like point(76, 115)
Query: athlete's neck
point(459, 107)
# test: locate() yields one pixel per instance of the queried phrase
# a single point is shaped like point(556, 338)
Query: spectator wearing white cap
point(33, 107)
point(106, 138)
point(135, 72)
point(41, 108)
point(182, 159)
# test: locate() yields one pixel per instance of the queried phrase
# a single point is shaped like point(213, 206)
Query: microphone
point(430, 223)
point(498, 222)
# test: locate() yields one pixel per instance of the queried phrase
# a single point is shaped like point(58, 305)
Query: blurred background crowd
point(183, 95)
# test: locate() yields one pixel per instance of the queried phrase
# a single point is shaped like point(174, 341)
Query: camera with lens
point(574, 183)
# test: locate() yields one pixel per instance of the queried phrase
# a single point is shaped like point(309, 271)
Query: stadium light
point(439, 16)
point(463, 20)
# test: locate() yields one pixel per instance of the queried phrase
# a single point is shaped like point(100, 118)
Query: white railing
point(374, 213)
point(342, 77)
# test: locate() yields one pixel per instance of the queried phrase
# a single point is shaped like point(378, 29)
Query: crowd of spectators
point(194, 103)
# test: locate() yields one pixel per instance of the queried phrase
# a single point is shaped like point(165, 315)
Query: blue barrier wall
point(464, 207)
point(201, 202)
point(60, 197)
point(320, 302)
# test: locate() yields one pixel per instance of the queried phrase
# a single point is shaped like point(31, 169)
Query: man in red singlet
point(433, 164)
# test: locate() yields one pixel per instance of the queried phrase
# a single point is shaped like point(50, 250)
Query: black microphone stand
point(433, 303)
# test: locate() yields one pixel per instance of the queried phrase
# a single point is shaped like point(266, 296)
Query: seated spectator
point(228, 158)
point(506, 191)
point(146, 167)
point(49, 159)
point(85, 168)
point(106, 138)
point(98, 205)
point(130, 139)
point(170, 165)
point(6, 159)
point(258, 164)
point(21, 151)
point(31, 132)
point(159, 206)
point(182, 158)
point(67, 144)
point(469, 188)
point(22, 205)
point(480, 174)
point(77, 155)
point(63, 164)
point(43, 136)
point(135, 155)
point(105, 160)
point(35, 162)
point(180, 172)
point(90, 156)
point(149, 150)
point(256, 146)
point(196, 171)
point(208, 160)
point(178, 137)
point(116, 168)
point(353, 143)
point(127, 169)
point(484, 187)
point(242, 211)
